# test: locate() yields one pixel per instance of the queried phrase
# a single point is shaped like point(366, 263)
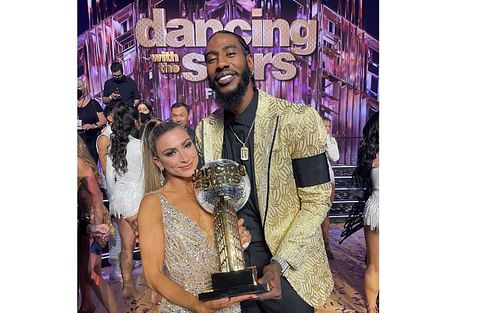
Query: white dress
point(126, 189)
point(371, 214)
point(332, 153)
point(106, 131)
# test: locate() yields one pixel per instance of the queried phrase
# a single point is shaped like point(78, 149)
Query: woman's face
point(328, 126)
point(176, 153)
point(142, 108)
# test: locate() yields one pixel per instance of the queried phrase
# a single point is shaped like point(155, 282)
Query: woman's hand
point(99, 231)
point(218, 304)
point(245, 236)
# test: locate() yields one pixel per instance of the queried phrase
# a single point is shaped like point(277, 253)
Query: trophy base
point(236, 283)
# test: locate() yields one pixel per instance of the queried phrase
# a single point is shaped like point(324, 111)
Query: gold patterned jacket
point(291, 216)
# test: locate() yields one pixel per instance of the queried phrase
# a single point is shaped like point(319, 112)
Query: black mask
point(145, 117)
point(80, 93)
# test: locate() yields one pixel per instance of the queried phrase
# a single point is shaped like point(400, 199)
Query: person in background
point(120, 87)
point(124, 177)
point(176, 234)
point(103, 142)
point(90, 119)
point(145, 112)
point(282, 145)
point(179, 113)
point(332, 153)
point(366, 173)
point(93, 231)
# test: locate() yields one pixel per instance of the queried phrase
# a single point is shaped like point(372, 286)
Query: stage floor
point(347, 268)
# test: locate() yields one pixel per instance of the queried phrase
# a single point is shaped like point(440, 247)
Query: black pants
point(258, 254)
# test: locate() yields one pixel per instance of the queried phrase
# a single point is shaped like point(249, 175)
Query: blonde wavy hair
point(84, 154)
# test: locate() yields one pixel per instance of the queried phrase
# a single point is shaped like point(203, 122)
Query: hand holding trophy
point(222, 188)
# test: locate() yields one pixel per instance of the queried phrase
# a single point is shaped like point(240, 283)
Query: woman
point(367, 173)
point(103, 142)
point(124, 177)
point(176, 234)
point(90, 119)
point(332, 153)
point(145, 111)
point(93, 229)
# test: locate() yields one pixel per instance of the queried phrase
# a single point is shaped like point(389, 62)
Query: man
point(282, 145)
point(179, 113)
point(120, 87)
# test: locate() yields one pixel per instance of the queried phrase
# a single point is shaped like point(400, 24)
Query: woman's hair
point(152, 131)
point(150, 108)
point(84, 154)
point(125, 119)
point(368, 150)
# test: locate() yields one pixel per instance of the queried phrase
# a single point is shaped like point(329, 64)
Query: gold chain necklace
point(244, 149)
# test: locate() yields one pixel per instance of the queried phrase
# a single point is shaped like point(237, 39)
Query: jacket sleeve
point(308, 140)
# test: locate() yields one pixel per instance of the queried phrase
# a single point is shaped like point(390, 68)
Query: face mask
point(80, 93)
point(145, 117)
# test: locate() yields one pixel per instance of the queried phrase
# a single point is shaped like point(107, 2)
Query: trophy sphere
point(221, 178)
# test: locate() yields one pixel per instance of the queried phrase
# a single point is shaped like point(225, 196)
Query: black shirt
point(88, 115)
point(127, 88)
point(231, 150)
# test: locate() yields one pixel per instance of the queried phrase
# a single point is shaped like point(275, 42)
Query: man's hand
point(272, 276)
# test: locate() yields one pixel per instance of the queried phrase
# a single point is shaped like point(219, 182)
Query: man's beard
point(232, 100)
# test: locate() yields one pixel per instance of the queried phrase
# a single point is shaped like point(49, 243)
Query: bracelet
point(282, 262)
point(96, 125)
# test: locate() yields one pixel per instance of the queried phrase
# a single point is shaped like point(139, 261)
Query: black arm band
point(311, 171)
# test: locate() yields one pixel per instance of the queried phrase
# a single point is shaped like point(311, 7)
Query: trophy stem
point(227, 237)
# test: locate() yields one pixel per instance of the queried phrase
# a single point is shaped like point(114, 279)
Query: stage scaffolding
point(339, 80)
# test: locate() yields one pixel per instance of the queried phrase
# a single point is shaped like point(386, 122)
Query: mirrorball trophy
point(222, 188)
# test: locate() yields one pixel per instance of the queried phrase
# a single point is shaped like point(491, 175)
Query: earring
point(162, 180)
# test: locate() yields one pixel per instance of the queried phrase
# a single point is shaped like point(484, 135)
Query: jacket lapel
point(213, 136)
point(264, 135)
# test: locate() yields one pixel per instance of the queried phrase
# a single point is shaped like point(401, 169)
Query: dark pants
point(258, 254)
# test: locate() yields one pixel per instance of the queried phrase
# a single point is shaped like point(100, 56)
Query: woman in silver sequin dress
point(367, 173)
point(176, 234)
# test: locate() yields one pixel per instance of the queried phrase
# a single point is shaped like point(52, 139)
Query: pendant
point(244, 153)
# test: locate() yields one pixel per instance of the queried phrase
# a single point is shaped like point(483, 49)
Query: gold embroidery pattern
point(292, 229)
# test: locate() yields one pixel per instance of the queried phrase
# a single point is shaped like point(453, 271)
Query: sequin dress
point(190, 257)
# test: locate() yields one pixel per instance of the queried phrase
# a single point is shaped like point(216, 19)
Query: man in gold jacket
point(282, 145)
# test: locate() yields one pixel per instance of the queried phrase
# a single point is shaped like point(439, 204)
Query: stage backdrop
point(305, 51)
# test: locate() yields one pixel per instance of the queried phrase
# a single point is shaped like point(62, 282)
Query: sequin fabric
point(190, 256)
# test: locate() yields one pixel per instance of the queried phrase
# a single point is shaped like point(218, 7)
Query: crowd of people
point(145, 166)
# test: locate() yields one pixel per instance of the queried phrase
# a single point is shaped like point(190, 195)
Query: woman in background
point(124, 177)
point(90, 119)
point(332, 153)
point(93, 230)
point(367, 173)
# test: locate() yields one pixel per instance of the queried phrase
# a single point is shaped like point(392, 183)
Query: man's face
point(228, 69)
point(180, 116)
point(117, 76)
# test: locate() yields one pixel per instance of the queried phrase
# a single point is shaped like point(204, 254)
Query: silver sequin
point(190, 256)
